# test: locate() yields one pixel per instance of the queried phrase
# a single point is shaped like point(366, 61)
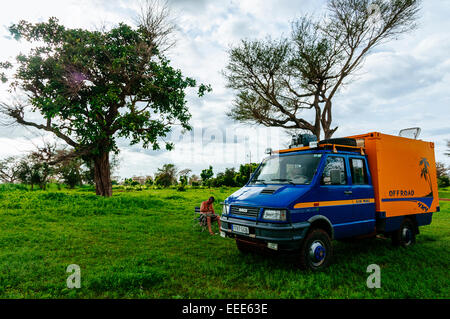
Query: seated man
point(207, 208)
point(297, 175)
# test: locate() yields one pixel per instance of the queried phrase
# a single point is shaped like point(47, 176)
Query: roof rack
point(333, 147)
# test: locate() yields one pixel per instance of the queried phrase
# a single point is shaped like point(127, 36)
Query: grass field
point(145, 245)
point(444, 193)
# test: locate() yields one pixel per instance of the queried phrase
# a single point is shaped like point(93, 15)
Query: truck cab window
point(292, 169)
point(335, 165)
point(359, 176)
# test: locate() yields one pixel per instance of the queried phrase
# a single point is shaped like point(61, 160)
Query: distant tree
point(70, 172)
point(227, 178)
point(128, 181)
point(166, 176)
point(441, 169)
point(92, 87)
point(184, 176)
point(194, 180)
point(448, 148)
point(443, 181)
point(149, 181)
point(278, 80)
point(206, 175)
point(245, 171)
point(135, 183)
point(9, 169)
point(33, 172)
point(183, 180)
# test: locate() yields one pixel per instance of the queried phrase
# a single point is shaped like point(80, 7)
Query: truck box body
point(403, 174)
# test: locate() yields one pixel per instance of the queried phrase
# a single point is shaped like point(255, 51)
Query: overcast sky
point(404, 83)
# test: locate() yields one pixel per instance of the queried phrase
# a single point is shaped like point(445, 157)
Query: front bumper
point(287, 236)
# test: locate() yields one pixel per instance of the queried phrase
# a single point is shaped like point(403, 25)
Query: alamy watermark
point(74, 280)
point(374, 279)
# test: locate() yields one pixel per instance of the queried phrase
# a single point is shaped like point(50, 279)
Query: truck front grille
point(244, 211)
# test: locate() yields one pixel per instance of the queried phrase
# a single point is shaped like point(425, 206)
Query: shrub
point(443, 181)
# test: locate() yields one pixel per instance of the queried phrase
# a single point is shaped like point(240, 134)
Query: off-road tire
point(307, 258)
point(406, 235)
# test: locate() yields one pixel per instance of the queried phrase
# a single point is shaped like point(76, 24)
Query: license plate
point(240, 229)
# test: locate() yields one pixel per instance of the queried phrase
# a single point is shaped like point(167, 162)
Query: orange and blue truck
point(301, 198)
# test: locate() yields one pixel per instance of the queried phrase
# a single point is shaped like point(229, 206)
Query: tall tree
point(206, 175)
point(184, 176)
point(276, 80)
point(166, 176)
point(91, 87)
point(441, 170)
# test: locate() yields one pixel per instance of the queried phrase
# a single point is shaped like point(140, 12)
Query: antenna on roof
point(412, 132)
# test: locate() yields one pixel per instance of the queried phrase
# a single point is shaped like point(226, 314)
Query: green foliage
point(226, 178)
point(195, 184)
point(85, 77)
point(34, 173)
point(93, 87)
point(128, 181)
point(166, 176)
point(206, 175)
point(183, 180)
point(244, 174)
point(12, 187)
point(71, 173)
point(149, 181)
point(443, 181)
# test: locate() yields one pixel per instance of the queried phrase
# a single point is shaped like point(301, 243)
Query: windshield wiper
point(283, 180)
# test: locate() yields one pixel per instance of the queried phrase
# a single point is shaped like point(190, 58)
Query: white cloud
point(403, 83)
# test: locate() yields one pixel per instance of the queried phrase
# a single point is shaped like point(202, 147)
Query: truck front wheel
point(405, 235)
point(316, 250)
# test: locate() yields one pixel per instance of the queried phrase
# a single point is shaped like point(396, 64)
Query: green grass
point(145, 245)
point(444, 192)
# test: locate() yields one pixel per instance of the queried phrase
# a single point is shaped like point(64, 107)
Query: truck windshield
point(291, 169)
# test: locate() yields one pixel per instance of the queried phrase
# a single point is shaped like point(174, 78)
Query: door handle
point(348, 192)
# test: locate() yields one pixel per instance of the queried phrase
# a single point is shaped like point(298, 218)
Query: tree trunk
point(102, 175)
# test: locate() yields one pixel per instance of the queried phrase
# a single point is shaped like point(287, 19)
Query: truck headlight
point(225, 209)
point(274, 214)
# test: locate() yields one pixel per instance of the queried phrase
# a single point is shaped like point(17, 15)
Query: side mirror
point(335, 176)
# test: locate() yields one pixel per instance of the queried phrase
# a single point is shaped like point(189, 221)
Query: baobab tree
point(91, 87)
point(277, 81)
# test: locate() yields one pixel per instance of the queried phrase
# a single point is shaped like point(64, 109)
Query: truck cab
point(300, 199)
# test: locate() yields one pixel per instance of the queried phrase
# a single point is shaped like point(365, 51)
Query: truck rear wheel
point(406, 235)
point(316, 250)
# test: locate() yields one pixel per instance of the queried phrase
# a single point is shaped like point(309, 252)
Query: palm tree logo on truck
point(425, 173)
